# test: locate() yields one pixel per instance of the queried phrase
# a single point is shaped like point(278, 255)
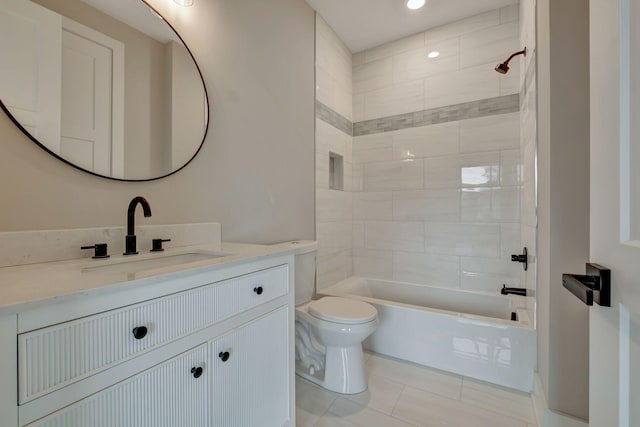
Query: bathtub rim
point(519, 303)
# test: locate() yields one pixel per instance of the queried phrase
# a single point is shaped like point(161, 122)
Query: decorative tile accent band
point(450, 113)
point(335, 119)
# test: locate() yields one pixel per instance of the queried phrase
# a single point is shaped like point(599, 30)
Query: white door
point(251, 374)
point(91, 110)
point(30, 37)
point(614, 347)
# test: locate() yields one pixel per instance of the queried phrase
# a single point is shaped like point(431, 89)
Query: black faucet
point(130, 238)
point(514, 291)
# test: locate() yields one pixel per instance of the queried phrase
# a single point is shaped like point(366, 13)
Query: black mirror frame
point(204, 136)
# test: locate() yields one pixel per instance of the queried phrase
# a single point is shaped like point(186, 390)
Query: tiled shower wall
point(437, 160)
point(528, 138)
point(439, 179)
point(333, 135)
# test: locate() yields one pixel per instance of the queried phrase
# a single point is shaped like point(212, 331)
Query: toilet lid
point(342, 310)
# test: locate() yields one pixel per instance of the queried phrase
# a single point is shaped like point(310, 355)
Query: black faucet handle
point(100, 250)
point(157, 244)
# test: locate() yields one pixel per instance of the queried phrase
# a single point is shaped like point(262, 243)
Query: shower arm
point(522, 52)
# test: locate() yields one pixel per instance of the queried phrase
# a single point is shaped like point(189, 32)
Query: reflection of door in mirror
point(92, 104)
point(68, 91)
point(106, 85)
point(30, 39)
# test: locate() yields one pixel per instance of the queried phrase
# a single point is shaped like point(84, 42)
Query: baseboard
point(545, 416)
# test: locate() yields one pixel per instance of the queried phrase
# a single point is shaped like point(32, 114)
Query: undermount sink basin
point(157, 261)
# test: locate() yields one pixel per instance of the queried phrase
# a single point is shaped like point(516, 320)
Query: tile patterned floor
point(402, 394)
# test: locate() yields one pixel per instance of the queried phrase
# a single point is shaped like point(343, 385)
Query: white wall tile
point(358, 108)
point(488, 274)
point(373, 263)
point(510, 240)
point(401, 236)
point(510, 13)
point(468, 84)
point(427, 205)
point(464, 26)
point(396, 99)
point(333, 236)
point(333, 267)
point(330, 139)
point(501, 204)
point(475, 205)
point(510, 82)
point(510, 168)
point(442, 172)
point(333, 205)
point(426, 141)
point(372, 75)
point(332, 55)
point(435, 270)
point(357, 177)
point(491, 133)
point(373, 206)
point(489, 45)
point(480, 169)
point(358, 235)
point(482, 240)
point(389, 49)
point(415, 64)
point(332, 94)
point(373, 148)
point(357, 58)
point(396, 175)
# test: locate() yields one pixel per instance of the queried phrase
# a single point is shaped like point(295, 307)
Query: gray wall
point(563, 167)
point(255, 173)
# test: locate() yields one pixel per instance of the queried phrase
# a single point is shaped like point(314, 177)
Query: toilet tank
point(305, 268)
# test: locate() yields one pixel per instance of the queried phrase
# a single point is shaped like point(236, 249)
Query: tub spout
point(513, 291)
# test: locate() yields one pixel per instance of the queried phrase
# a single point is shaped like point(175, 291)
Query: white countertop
point(31, 286)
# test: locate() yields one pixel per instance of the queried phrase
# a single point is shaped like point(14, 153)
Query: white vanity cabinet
point(216, 349)
point(250, 367)
point(166, 395)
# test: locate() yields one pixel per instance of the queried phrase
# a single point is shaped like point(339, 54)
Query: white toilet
point(329, 331)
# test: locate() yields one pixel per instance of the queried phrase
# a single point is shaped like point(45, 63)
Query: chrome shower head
point(503, 68)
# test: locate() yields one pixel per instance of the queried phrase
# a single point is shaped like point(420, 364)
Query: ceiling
point(363, 24)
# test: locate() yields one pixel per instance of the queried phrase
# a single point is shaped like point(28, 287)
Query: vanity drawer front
point(53, 357)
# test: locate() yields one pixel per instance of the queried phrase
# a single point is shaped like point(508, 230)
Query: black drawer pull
point(197, 372)
point(224, 356)
point(140, 332)
point(258, 290)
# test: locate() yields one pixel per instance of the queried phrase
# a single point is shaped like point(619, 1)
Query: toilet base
point(343, 373)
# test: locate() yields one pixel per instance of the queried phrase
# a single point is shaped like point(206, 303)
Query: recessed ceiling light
point(184, 2)
point(414, 4)
point(433, 54)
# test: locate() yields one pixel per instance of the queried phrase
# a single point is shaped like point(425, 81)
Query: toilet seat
point(342, 310)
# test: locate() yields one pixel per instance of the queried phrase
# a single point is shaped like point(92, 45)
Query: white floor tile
point(311, 403)
point(356, 415)
point(381, 395)
point(444, 384)
point(402, 394)
point(498, 399)
point(428, 409)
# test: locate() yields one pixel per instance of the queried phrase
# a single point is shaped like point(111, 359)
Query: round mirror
point(106, 86)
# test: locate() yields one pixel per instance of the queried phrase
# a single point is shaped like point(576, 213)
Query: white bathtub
point(458, 331)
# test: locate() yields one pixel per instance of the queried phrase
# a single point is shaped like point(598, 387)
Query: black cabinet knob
point(258, 290)
point(197, 372)
point(224, 356)
point(140, 332)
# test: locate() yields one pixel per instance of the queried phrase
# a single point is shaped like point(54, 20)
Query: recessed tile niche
point(336, 172)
